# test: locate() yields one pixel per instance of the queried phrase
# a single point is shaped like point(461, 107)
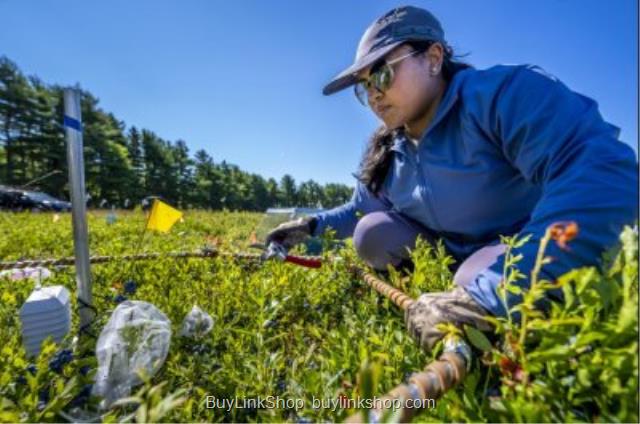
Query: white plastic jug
point(46, 313)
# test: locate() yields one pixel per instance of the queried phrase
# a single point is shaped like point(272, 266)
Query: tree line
point(125, 164)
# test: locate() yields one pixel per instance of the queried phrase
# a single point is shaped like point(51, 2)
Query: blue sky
point(243, 79)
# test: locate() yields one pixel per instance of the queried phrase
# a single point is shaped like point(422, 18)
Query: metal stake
point(75, 159)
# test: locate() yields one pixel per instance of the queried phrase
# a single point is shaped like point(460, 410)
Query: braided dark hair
point(377, 157)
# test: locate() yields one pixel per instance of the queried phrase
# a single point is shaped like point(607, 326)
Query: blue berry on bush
point(82, 397)
point(55, 366)
point(59, 360)
point(119, 298)
point(32, 369)
point(43, 399)
point(130, 287)
point(66, 355)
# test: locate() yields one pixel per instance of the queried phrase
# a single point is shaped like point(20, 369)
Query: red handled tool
point(279, 252)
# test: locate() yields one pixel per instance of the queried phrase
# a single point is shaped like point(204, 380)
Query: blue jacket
point(511, 150)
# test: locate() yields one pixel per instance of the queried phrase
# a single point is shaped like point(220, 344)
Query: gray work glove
point(290, 233)
point(455, 307)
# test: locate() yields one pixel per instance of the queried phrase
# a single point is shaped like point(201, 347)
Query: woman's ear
point(435, 57)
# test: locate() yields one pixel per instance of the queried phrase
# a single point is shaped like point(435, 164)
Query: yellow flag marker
point(162, 217)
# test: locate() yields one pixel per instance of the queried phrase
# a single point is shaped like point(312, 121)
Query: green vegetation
point(283, 330)
point(123, 165)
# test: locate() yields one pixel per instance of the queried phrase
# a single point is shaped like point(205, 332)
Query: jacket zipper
point(426, 192)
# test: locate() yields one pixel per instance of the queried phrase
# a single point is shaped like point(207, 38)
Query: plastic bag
point(196, 324)
point(136, 339)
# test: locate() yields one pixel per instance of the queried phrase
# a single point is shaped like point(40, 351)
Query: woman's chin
point(390, 124)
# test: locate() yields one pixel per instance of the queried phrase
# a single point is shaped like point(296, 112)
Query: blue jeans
point(385, 238)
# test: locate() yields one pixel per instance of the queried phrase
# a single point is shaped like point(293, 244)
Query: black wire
point(85, 328)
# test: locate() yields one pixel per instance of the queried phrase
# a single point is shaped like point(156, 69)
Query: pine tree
point(136, 156)
point(287, 189)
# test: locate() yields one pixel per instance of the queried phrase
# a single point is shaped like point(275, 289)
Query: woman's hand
point(290, 233)
point(455, 307)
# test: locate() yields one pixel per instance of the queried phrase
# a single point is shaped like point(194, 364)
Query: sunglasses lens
point(361, 93)
point(382, 78)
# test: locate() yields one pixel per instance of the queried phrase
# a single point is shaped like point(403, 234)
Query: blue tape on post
point(72, 123)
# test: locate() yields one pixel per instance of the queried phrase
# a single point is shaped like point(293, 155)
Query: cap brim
point(348, 77)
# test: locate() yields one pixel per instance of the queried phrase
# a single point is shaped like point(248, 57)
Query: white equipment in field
point(46, 313)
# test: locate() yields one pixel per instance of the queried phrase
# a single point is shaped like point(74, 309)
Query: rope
point(70, 261)
point(398, 297)
point(437, 377)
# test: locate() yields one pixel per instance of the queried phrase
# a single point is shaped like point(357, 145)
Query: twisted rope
point(437, 378)
point(70, 261)
point(398, 297)
point(420, 391)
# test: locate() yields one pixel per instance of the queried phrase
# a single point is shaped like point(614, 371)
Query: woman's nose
point(373, 94)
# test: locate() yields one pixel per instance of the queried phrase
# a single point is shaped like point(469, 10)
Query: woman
point(467, 155)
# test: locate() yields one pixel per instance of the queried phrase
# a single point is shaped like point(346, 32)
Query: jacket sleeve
point(343, 219)
point(558, 140)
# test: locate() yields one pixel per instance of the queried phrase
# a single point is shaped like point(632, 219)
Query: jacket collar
point(400, 144)
point(449, 99)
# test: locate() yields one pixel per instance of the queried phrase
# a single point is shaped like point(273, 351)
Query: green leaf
point(522, 241)
point(477, 338)
point(513, 289)
point(555, 353)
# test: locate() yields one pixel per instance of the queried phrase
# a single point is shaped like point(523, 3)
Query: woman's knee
point(478, 261)
point(381, 240)
point(367, 239)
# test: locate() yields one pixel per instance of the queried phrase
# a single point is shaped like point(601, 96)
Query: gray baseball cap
point(394, 28)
